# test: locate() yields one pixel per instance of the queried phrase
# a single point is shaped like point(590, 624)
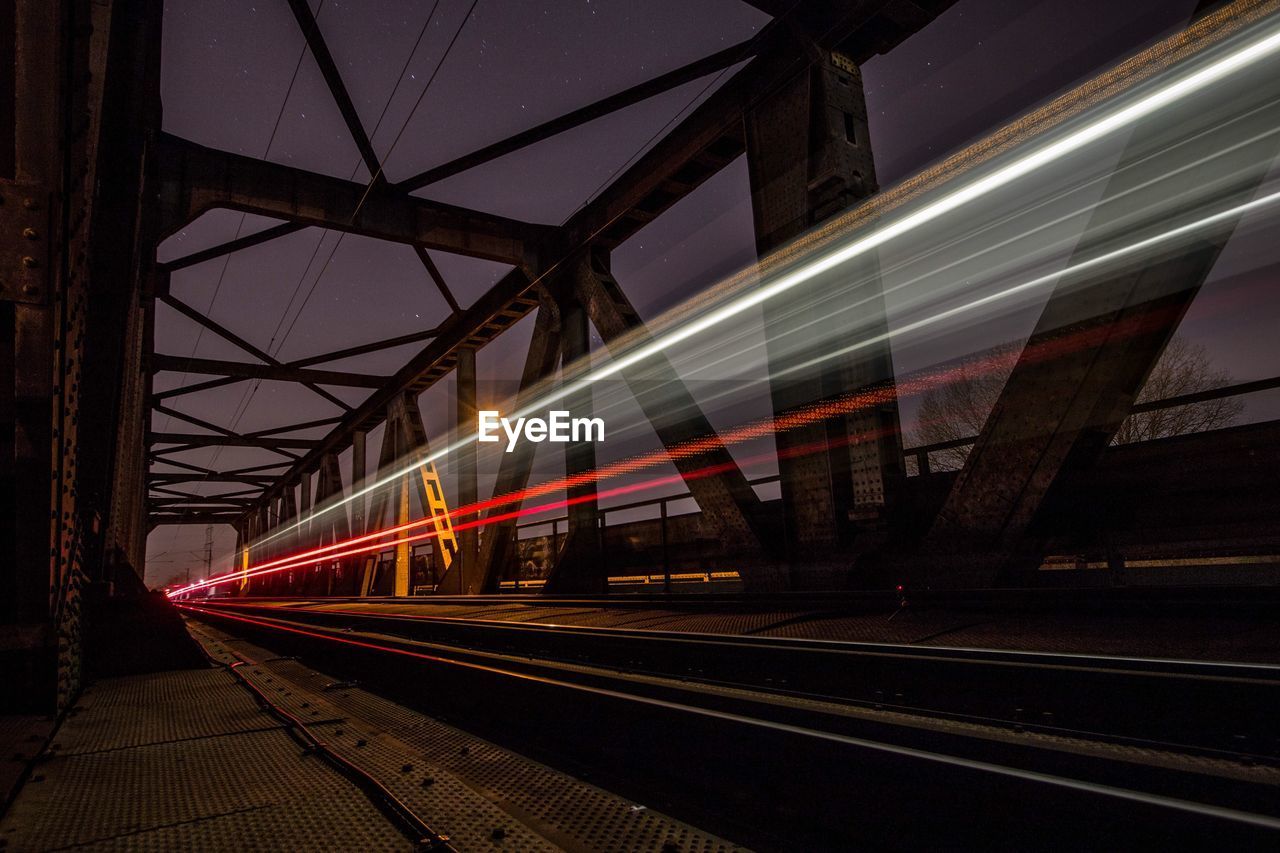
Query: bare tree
point(1183, 368)
point(959, 408)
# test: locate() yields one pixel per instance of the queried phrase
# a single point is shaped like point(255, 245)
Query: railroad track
point(1149, 702)
point(775, 743)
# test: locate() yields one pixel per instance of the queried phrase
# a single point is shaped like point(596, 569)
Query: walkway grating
point(186, 760)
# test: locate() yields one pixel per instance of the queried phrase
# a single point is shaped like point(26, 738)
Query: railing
point(602, 514)
point(921, 454)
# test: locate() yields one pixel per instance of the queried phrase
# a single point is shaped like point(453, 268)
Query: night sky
point(228, 65)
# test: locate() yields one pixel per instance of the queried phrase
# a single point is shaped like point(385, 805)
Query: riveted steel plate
point(24, 242)
point(186, 760)
point(560, 811)
point(158, 708)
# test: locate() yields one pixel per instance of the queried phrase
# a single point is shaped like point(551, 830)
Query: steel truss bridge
point(92, 184)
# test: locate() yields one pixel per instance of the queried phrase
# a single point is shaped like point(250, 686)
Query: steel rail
point(1154, 701)
point(409, 822)
point(1062, 782)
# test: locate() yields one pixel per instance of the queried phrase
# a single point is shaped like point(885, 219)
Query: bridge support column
point(297, 581)
point(304, 508)
point(809, 157)
point(404, 446)
point(578, 568)
point(497, 541)
point(400, 517)
point(728, 503)
point(1099, 336)
point(358, 501)
point(465, 467)
point(262, 585)
point(241, 554)
point(303, 540)
point(327, 528)
point(378, 505)
point(279, 581)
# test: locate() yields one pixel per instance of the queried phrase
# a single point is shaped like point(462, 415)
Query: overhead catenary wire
point(222, 273)
point(247, 396)
point(324, 266)
point(247, 399)
point(374, 179)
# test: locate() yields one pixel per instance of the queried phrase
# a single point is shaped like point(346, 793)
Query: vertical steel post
point(580, 568)
point(358, 502)
point(809, 157)
point(465, 466)
point(403, 561)
point(666, 562)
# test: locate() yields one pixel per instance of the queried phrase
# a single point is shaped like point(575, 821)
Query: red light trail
point(377, 541)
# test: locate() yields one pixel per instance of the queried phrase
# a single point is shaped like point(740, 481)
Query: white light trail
point(1262, 47)
point(1023, 287)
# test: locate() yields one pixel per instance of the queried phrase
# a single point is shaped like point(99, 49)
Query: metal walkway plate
point(477, 789)
point(186, 760)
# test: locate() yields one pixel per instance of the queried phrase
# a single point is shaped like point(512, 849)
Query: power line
point(246, 399)
point(377, 125)
point(275, 128)
point(381, 167)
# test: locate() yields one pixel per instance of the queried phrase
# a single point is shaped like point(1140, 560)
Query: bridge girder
point(192, 178)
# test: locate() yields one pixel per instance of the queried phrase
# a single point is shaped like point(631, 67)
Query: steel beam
point(363, 349)
point(578, 568)
point(497, 542)
point(358, 462)
point(173, 495)
point(196, 388)
point(193, 439)
point(709, 139)
point(193, 179)
point(858, 28)
point(378, 502)
point(227, 335)
point(32, 559)
point(729, 505)
point(434, 272)
point(464, 465)
point(809, 158)
point(248, 241)
point(279, 373)
point(333, 526)
point(712, 134)
point(157, 519)
point(209, 478)
point(196, 502)
point(302, 538)
point(167, 492)
point(717, 61)
point(499, 308)
point(203, 424)
point(427, 485)
point(294, 427)
point(404, 441)
point(338, 89)
point(157, 456)
point(1061, 406)
point(289, 540)
point(252, 469)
